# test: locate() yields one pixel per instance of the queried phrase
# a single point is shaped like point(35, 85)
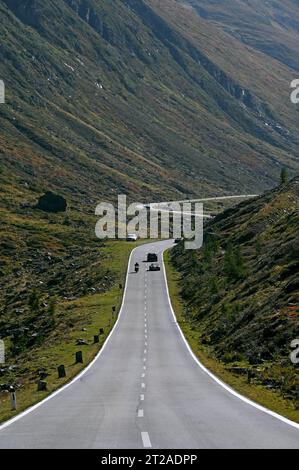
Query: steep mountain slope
point(271, 26)
point(267, 80)
point(241, 289)
point(108, 97)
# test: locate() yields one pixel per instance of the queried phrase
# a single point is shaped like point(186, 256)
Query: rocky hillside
point(241, 290)
point(107, 97)
point(252, 22)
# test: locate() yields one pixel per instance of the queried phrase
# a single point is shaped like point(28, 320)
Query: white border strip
point(222, 384)
point(78, 377)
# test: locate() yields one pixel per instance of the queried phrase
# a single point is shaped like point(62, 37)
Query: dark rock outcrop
point(51, 202)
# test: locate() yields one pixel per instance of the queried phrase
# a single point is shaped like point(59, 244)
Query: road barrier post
point(61, 372)
point(79, 357)
point(41, 386)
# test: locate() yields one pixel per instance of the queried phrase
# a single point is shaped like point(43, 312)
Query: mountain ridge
point(121, 96)
point(252, 22)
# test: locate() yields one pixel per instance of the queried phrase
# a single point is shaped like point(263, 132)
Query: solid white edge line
point(214, 377)
point(78, 377)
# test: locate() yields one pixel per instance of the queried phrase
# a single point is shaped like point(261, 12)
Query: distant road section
point(166, 206)
point(145, 390)
point(208, 199)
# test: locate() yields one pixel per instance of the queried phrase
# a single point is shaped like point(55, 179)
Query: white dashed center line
point(144, 435)
point(146, 440)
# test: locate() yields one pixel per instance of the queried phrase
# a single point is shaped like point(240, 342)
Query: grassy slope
point(241, 290)
point(256, 392)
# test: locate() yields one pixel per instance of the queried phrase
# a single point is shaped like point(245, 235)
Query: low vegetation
point(239, 294)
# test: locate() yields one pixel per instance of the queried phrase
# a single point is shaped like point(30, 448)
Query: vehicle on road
point(137, 267)
point(152, 258)
point(154, 267)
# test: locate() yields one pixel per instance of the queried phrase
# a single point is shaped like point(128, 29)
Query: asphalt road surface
point(145, 390)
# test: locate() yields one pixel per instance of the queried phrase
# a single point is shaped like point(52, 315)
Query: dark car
point(152, 258)
point(154, 267)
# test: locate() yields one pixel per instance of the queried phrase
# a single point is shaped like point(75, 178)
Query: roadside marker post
point(61, 372)
point(79, 357)
point(2, 352)
point(42, 386)
point(13, 397)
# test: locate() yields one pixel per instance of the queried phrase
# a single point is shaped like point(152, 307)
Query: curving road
point(146, 390)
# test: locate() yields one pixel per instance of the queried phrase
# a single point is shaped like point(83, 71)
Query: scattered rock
point(42, 373)
point(238, 370)
point(4, 387)
point(81, 342)
point(51, 202)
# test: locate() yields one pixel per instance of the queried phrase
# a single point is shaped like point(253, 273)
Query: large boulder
point(51, 202)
